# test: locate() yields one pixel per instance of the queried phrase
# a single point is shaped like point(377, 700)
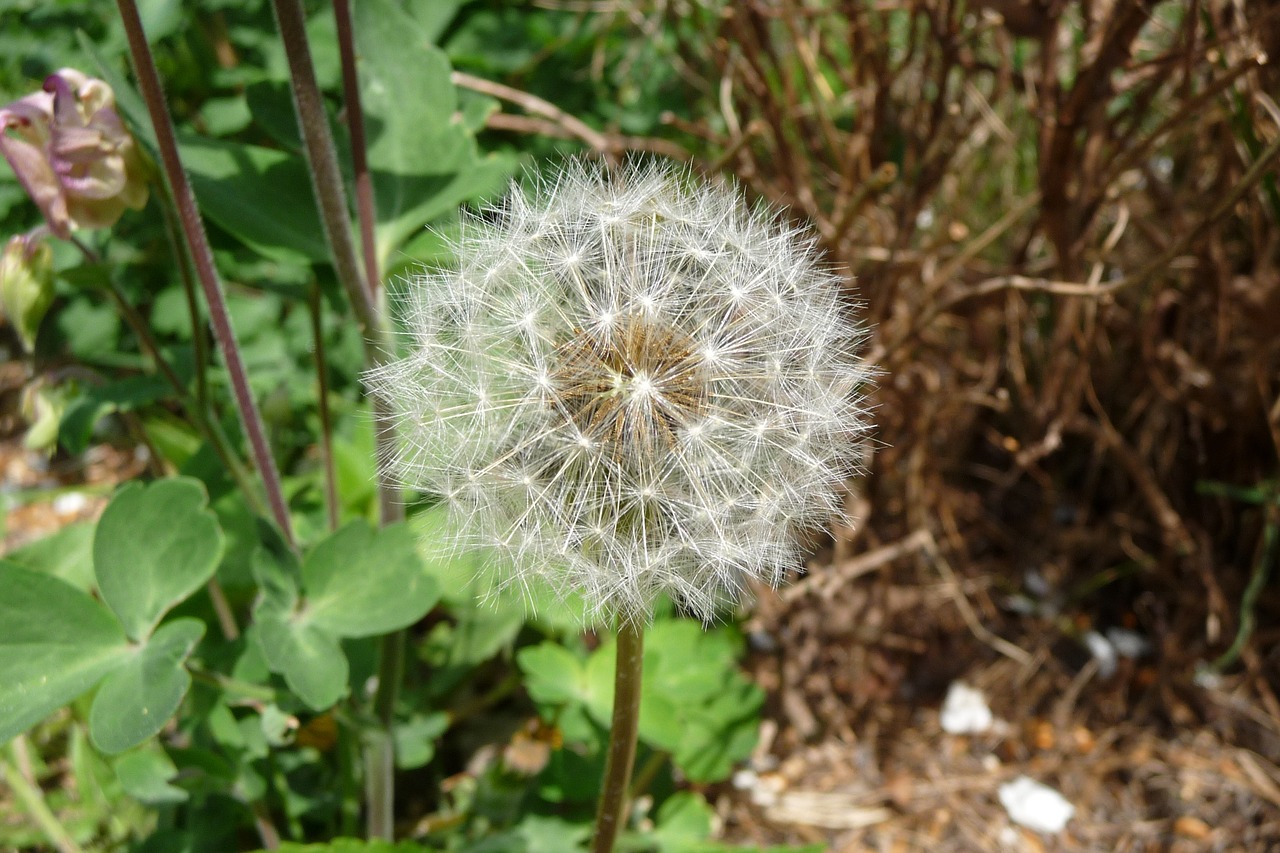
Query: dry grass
point(1062, 219)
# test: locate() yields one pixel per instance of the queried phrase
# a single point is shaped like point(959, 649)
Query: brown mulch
point(853, 755)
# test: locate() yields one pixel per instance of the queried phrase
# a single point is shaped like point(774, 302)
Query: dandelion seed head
point(632, 384)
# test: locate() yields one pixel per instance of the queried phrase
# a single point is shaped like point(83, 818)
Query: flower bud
point(43, 406)
point(26, 285)
point(72, 153)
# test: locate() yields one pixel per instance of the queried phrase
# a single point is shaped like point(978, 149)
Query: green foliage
point(57, 643)
point(262, 196)
point(154, 546)
point(137, 699)
point(695, 705)
point(355, 583)
point(182, 676)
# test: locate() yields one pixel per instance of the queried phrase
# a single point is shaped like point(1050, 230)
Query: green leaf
point(145, 775)
point(684, 820)
point(362, 583)
point(423, 163)
point(684, 660)
point(551, 834)
point(139, 697)
point(356, 583)
point(75, 432)
point(720, 734)
point(261, 196)
point(311, 661)
point(415, 739)
point(553, 674)
point(56, 643)
point(155, 545)
point(67, 554)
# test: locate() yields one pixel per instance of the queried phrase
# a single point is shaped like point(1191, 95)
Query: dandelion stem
point(614, 803)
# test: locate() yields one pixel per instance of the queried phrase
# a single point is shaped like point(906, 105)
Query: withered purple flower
point(72, 153)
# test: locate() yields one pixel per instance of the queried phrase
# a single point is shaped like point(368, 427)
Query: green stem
point(199, 418)
point(326, 183)
point(1249, 601)
point(184, 201)
point(233, 686)
point(198, 344)
point(32, 799)
point(316, 308)
point(648, 772)
point(380, 759)
point(614, 803)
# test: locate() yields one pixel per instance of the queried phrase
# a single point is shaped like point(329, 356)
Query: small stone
point(1035, 806)
point(965, 711)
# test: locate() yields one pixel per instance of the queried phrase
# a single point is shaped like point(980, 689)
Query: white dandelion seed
point(632, 385)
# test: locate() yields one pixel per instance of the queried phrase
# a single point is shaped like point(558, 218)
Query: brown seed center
point(632, 387)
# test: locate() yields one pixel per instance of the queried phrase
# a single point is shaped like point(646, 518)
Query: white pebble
point(1035, 806)
point(70, 503)
point(1129, 644)
point(1103, 652)
point(965, 711)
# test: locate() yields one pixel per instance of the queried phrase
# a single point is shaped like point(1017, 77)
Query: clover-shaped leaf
point(139, 697)
point(356, 583)
point(56, 643)
point(154, 546)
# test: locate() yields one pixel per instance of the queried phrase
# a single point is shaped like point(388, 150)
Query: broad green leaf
point(155, 545)
point(415, 739)
point(694, 703)
point(139, 697)
point(601, 671)
point(146, 774)
point(683, 820)
point(260, 195)
point(555, 676)
point(552, 674)
point(360, 582)
point(543, 834)
point(75, 432)
point(718, 735)
point(55, 644)
point(423, 163)
point(310, 660)
point(67, 554)
point(356, 583)
point(433, 16)
point(687, 662)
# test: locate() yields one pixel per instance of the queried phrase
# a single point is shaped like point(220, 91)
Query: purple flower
point(72, 153)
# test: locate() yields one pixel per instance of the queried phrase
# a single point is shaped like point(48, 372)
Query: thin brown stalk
point(536, 106)
point(202, 256)
point(359, 150)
